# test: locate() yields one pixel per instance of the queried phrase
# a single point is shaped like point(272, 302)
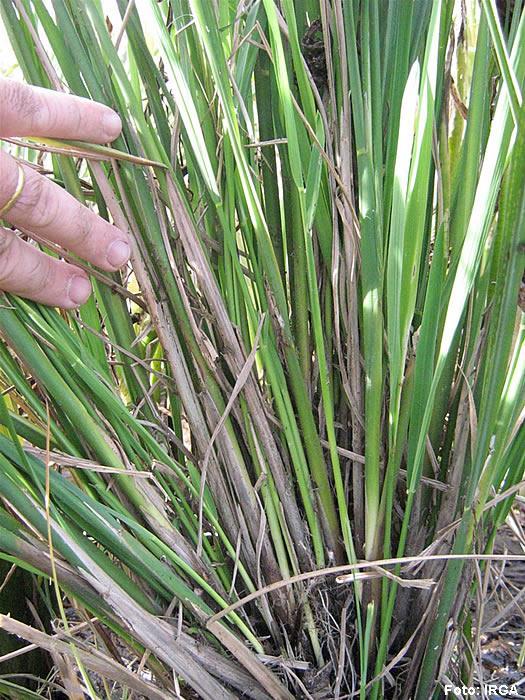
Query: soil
point(503, 621)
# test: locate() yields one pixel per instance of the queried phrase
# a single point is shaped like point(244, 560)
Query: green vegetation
point(318, 358)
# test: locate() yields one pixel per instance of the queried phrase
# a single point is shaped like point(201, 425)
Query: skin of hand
point(47, 210)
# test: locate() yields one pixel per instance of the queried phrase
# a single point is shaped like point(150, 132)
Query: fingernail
point(118, 253)
point(79, 289)
point(111, 124)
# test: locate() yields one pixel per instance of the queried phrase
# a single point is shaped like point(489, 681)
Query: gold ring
point(18, 191)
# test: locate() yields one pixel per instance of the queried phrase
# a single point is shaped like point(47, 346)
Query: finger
point(49, 211)
point(30, 273)
point(32, 111)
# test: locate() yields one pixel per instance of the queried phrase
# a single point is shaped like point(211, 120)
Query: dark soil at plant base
point(503, 621)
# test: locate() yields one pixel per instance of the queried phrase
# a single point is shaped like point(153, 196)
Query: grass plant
point(316, 359)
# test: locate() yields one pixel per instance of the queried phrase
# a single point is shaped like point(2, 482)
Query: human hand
point(31, 202)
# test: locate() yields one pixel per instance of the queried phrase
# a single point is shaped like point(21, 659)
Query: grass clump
point(317, 358)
